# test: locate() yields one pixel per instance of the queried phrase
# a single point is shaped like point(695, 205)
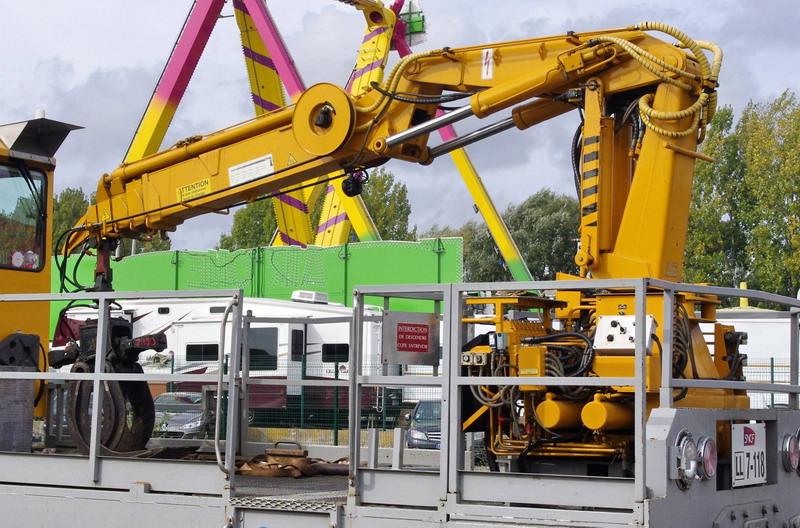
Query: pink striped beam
point(174, 80)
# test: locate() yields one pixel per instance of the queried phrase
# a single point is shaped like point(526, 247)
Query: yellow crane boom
point(634, 201)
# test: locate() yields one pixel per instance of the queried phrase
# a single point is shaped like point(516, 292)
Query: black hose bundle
point(566, 360)
point(576, 361)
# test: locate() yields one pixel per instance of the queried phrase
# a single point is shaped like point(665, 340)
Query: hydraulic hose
point(647, 60)
point(702, 110)
point(712, 99)
point(693, 110)
point(576, 156)
point(645, 108)
point(393, 80)
point(588, 352)
point(683, 38)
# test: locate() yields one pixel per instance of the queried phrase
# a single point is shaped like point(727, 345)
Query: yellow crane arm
point(329, 130)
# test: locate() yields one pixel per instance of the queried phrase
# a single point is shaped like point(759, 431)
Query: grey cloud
point(105, 106)
point(762, 25)
point(326, 47)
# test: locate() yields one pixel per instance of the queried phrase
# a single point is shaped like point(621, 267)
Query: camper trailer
point(306, 338)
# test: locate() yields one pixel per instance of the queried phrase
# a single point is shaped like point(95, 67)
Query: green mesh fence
point(768, 370)
point(319, 415)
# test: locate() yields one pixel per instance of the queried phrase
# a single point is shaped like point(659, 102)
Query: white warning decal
point(487, 64)
point(251, 170)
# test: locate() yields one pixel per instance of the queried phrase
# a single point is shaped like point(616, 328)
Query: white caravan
point(306, 338)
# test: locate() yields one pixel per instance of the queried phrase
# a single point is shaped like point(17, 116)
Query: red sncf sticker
point(412, 337)
point(749, 437)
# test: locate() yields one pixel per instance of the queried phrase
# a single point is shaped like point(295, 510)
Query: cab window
point(22, 218)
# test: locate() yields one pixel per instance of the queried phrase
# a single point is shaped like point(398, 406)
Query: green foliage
point(387, 203)
point(68, 207)
point(717, 236)
point(386, 200)
point(745, 222)
point(71, 204)
point(18, 228)
point(253, 226)
point(26, 211)
point(770, 135)
point(544, 227)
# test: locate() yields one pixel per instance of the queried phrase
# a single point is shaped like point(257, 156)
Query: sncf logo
point(749, 437)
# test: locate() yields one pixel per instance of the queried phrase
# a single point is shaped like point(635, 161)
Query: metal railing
point(450, 482)
point(371, 484)
point(103, 301)
point(668, 382)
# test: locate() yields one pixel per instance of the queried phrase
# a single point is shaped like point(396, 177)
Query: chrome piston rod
point(472, 137)
point(429, 126)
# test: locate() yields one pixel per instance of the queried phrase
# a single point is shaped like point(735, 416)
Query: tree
point(68, 207)
point(544, 227)
point(770, 135)
point(718, 226)
point(482, 259)
point(18, 228)
point(253, 225)
point(745, 214)
point(387, 203)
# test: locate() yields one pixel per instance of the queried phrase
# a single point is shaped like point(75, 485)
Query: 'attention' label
point(194, 190)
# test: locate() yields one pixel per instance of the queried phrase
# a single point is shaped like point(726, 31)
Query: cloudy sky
point(95, 64)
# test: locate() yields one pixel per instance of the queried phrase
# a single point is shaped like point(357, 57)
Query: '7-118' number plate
point(749, 443)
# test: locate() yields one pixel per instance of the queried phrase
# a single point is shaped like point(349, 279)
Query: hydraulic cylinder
point(604, 415)
point(559, 414)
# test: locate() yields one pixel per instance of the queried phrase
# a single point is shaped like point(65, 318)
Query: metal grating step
point(320, 502)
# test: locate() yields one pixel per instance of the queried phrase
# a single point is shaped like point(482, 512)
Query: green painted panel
point(285, 269)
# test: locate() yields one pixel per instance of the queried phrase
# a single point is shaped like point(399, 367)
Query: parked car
point(425, 425)
point(181, 415)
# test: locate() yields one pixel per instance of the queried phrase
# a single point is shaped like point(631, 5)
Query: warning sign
point(487, 64)
point(194, 190)
point(413, 337)
point(410, 338)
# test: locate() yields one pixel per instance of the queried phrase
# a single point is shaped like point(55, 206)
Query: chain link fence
point(320, 414)
point(768, 370)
